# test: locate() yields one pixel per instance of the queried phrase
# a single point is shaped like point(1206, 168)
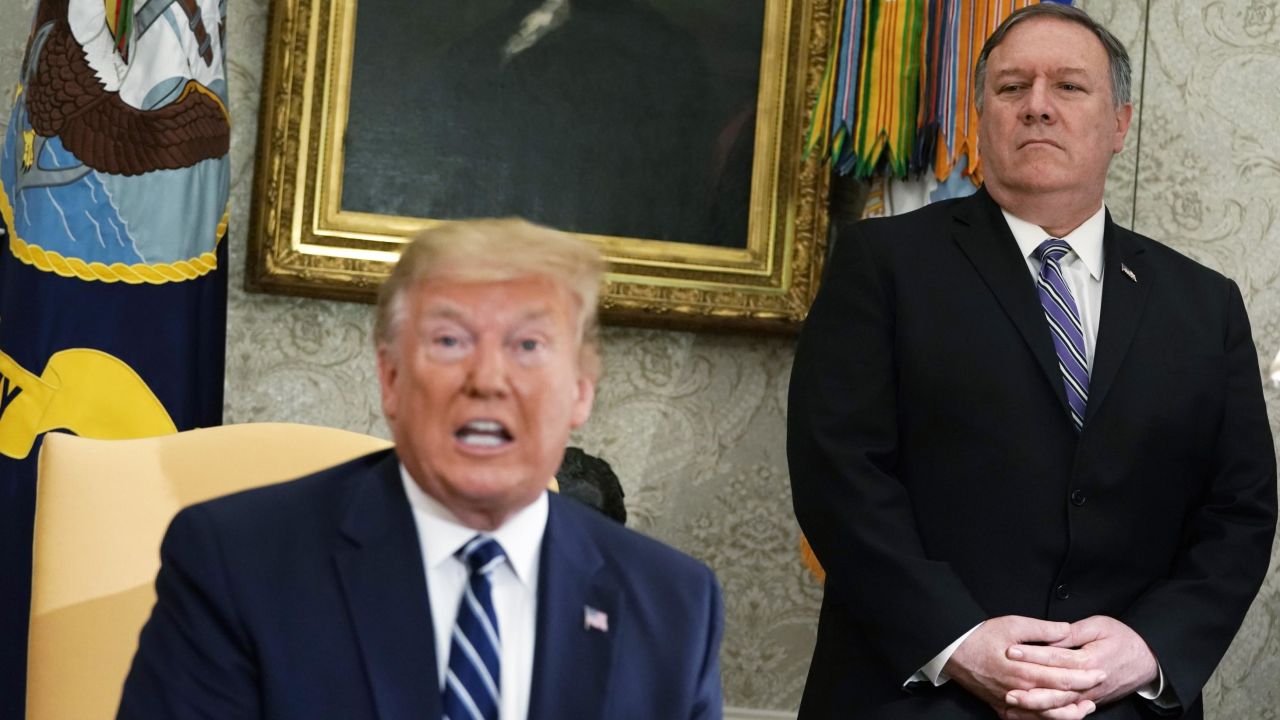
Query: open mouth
point(483, 434)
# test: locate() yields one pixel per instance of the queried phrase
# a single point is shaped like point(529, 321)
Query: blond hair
point(495, 250)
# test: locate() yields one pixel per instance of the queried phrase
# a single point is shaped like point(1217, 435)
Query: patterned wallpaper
point(694, 424)
point(1208, 183)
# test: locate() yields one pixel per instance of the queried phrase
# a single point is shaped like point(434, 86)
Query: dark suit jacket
point(308, 600)
point(938, 477)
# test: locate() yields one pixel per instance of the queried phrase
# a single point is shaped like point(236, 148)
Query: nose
point(1039, 104)
point(487, 373)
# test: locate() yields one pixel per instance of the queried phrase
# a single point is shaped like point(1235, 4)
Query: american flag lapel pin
point(594, 619)
point(1125, 269)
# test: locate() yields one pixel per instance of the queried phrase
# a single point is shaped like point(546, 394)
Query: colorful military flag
point(113, 214)
point(897, 95)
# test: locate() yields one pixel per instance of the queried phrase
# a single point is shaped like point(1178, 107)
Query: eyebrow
point(450, 312)
point(446, 311)
point(1056, 72)
point(534, 315)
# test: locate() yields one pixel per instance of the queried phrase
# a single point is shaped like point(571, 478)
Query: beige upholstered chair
point(102, 507)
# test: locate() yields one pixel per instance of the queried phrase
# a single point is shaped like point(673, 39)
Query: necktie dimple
point(1064, 322)
point(473, 680)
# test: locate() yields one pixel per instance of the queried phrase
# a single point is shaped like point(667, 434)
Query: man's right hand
point(982, 667)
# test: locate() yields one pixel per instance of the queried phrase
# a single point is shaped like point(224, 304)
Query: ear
point(586, 397)
point(1124, 116)
point(388, 373)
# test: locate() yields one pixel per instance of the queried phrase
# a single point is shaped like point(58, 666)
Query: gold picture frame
point(303, 242)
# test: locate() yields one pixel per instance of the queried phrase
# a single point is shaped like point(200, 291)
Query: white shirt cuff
point(1158, 693)
point(932, 670)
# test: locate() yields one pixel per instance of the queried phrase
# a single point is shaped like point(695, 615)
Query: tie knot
point(481, 554)
point(1052, 250)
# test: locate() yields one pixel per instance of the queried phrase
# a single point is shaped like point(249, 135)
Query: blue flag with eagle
point(113, 214)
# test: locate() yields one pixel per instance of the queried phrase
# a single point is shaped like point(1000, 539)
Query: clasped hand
point(1026, 668)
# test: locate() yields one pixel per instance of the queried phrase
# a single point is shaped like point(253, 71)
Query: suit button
point(1062, 592)
point(1078, 498)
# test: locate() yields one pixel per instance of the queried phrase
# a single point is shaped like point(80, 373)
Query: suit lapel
point(571, 662)
point(984, 236)
point(385, 585)
point(1123, 300)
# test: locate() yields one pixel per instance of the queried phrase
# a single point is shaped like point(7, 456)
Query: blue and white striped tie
point(473, 682)
point(1064, 321)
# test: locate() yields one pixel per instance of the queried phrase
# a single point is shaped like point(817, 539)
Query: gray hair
point(1117, 56)
point(495, 251)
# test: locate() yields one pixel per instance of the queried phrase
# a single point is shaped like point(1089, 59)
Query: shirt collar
point(442, 534)
point(1085, 240)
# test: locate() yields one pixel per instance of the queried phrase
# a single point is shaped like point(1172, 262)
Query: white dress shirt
point(514, 584)
point(1082, 270)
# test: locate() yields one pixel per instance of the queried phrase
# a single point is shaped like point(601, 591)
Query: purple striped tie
point(1064, 321)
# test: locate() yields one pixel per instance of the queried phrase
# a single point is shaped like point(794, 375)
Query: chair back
point(102, 508)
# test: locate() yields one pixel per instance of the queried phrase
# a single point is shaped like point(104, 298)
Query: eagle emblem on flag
point(118, 106)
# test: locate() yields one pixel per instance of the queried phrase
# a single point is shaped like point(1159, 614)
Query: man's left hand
point(1095, 643)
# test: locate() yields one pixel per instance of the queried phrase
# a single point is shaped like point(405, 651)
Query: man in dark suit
point(440, 579)
point(1028, 446)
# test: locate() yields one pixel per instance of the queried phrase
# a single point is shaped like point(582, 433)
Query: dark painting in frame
point(708, 222)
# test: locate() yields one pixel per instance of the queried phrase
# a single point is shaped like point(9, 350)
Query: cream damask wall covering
point(695, 424)
point(1208, 183)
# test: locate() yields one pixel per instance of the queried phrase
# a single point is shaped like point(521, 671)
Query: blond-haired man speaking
point(441, 579)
